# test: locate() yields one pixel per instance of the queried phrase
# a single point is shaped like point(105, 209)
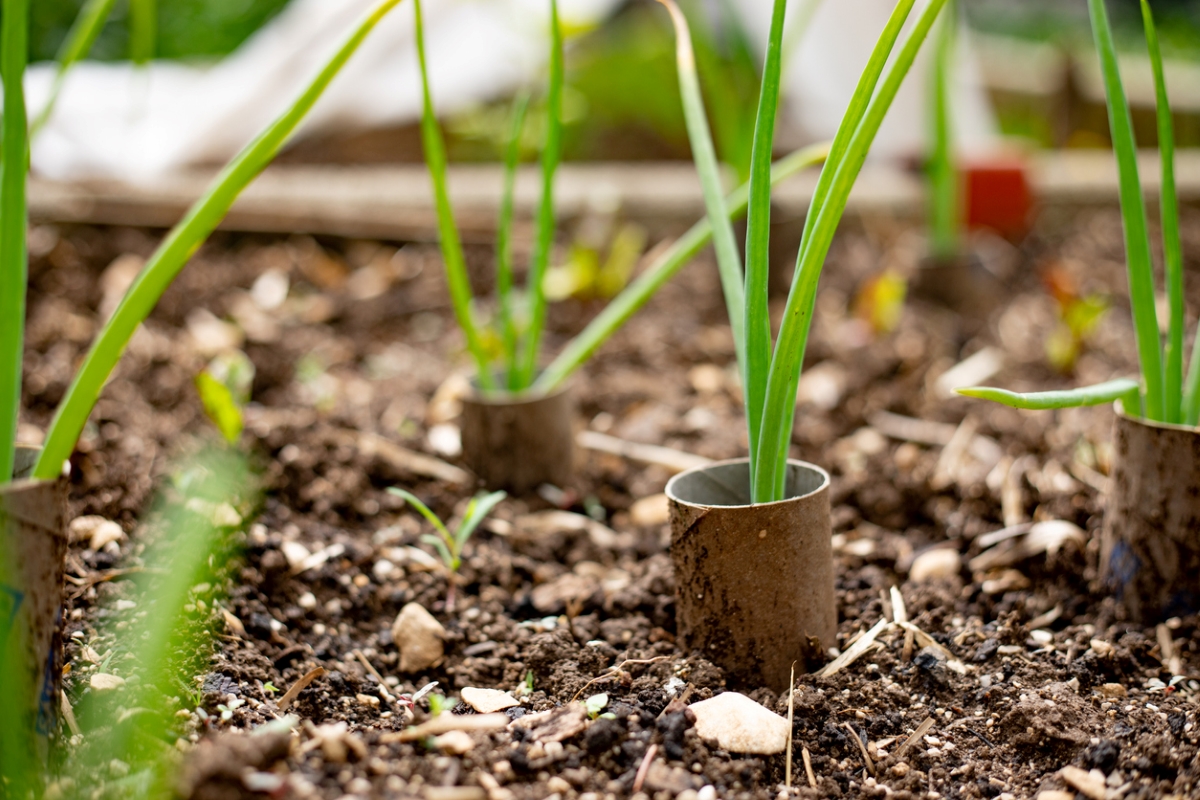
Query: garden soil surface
point(1025, 664)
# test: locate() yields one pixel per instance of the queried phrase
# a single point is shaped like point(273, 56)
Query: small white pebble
point(307, 601)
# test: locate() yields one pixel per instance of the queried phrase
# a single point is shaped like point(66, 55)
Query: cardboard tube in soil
point(753, 583)
point(1150, 550)
point(519, 443)
point(34, 544)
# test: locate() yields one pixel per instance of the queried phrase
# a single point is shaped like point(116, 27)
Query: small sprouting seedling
point(595, 704)
point(270, 688)
point(224, 388)
point(1165, 393)
point(525, 687)
point(440, 704)
point(450, 546)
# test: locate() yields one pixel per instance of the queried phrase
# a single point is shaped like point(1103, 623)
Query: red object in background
point(999, 197)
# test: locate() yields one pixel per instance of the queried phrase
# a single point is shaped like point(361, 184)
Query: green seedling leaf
point(1122, 389)
point(551, 155)
point(847, 155)
point(424, 510)
point(729, 262)
point(479, 507)
point(944, 210)
point(14, 269)
point(221, 406)
point(1175, 396)
point(1133, 212)
point(143, 30)
point(757, 316)
point(164, 265)
point(443, 550)
point(448, 237)
point(80, 39)
point(595, 704)
point(504, 272)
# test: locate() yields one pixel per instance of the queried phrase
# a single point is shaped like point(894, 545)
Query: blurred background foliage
point(190, 29)
point(187, 29)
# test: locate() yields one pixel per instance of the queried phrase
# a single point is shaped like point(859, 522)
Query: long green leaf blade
point(424, 510)
point(1122, 389)
point(504, 272)
point(664, 267)
point(175, 250)
point(1133, 210)
point(84, 31)
point(729, 263)
point(786, 363)
point(758, 236)
point(14, 268)
point(143, 30)
point(1169, 209)
point(943, 175)
point(857, 108)
point(452, 252)
point(544, 243)
point(479, 507)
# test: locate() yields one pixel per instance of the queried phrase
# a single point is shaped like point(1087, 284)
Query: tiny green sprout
point(224, 388)
point(450, 546)
point(270, 688)
point(440, 704)
point(595, 704)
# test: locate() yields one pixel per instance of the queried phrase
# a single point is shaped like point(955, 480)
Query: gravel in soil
point(1023, 664)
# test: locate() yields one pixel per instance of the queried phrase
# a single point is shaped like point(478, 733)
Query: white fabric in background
point(824, 67)
point(113, 120)
point(116, 121)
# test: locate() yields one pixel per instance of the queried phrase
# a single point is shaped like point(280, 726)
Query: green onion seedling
point(520, 344)
point(450, 546)
point(771, 371)
point(1162, 394)
point(166, 262)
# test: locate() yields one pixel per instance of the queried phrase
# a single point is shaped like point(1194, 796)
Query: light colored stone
point(103, 682)
point(295, 553)
point(455, 743)
point(1113, 690)
point(97, 531)
point(1055, 794)
point(936, 564)
point(419, 638)
point(488, 701)
point(652, 510)
point(557, 785)
point(1089, 784)
point(740, 725)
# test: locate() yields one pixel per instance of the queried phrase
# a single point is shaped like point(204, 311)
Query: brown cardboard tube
point(34, 541)
point(518, 443)
point(1150, 548)
point(753, 583)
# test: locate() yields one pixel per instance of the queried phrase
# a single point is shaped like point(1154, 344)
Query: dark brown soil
point(354, 354)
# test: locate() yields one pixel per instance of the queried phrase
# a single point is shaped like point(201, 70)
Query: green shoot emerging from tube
point(1162, 395)
point(771, 370)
